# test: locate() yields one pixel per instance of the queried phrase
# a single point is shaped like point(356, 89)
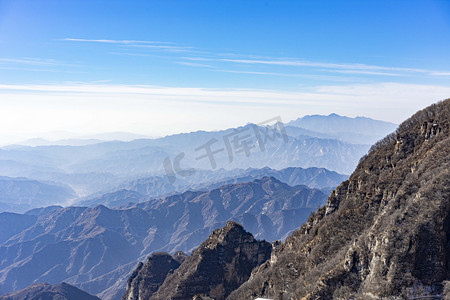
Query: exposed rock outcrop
point(148, 277)
point(216, 268)
point(384, 233)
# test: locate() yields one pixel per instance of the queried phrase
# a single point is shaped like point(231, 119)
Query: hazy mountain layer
point(21, 194)
point(100, 167)
point(359, 130)
point(158, 186)
point(97, 248)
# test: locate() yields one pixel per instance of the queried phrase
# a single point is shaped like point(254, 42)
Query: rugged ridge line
point(217, 267)
point(384, 233)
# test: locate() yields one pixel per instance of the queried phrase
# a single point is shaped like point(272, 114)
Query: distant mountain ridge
point(360, 130)
point(22, 194)
point(142, 189)
point(45, 291)
point(100, 167)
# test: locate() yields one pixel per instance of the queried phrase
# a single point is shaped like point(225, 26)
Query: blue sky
point(162, 67)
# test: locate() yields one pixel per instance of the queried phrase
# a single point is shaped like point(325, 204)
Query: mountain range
point(383, 233)
point(359, 130)
point(94, 168)
point(145, 188)
point(155, 205)
point(97, 248)
point(22, 194)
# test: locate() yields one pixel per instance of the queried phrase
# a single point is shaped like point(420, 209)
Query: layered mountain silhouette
point(22, 194)
point(45, 291)
point(143, 189)
point(103, 167)
point(383, 234)
point(359, 130)
point(97, 248)
point(217, 267)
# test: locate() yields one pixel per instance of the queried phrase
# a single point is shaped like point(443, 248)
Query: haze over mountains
point(359, 130)
point(97, 248)
point(22, 194)
point(134, 198)
point(94, 169)
point(383, 233)
point(158, 186)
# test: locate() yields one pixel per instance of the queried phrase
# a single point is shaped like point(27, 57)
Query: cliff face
point(383, 233)
point(148, 277)
point(216, 268)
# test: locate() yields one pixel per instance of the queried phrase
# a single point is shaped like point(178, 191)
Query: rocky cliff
point(216, 268)
point(148, 277)
point(384, 233)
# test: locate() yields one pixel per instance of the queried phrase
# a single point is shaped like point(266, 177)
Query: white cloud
point(29, 61)
point(126, 42)
point(152, 110)
point(158, 45)
point(344, 68)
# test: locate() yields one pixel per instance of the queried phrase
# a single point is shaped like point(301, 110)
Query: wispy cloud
point(30, 61)
point(159, 110)
point(364, 72)
point(436, 73)
point(211, 60)
point(304, 63)
point(34, 64)
point(343, 68)
point(125, 42)
point(193, 64)
point(159, 45)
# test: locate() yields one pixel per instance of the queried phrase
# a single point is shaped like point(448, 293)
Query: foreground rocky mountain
point(45, 291)
point(384, 233)
point(97, 248)
point(147, 278)
point(217, 267)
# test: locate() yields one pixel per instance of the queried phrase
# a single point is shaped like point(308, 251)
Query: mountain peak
point(383, 233)
point(207, 272)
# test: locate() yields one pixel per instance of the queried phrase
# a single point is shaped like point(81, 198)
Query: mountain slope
point(147, 278)
point(24, 194)
point(97, 248)
point(384, 233)
point(218, 266)
point(159, 186)
point(45, 291)
point(12, 224)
